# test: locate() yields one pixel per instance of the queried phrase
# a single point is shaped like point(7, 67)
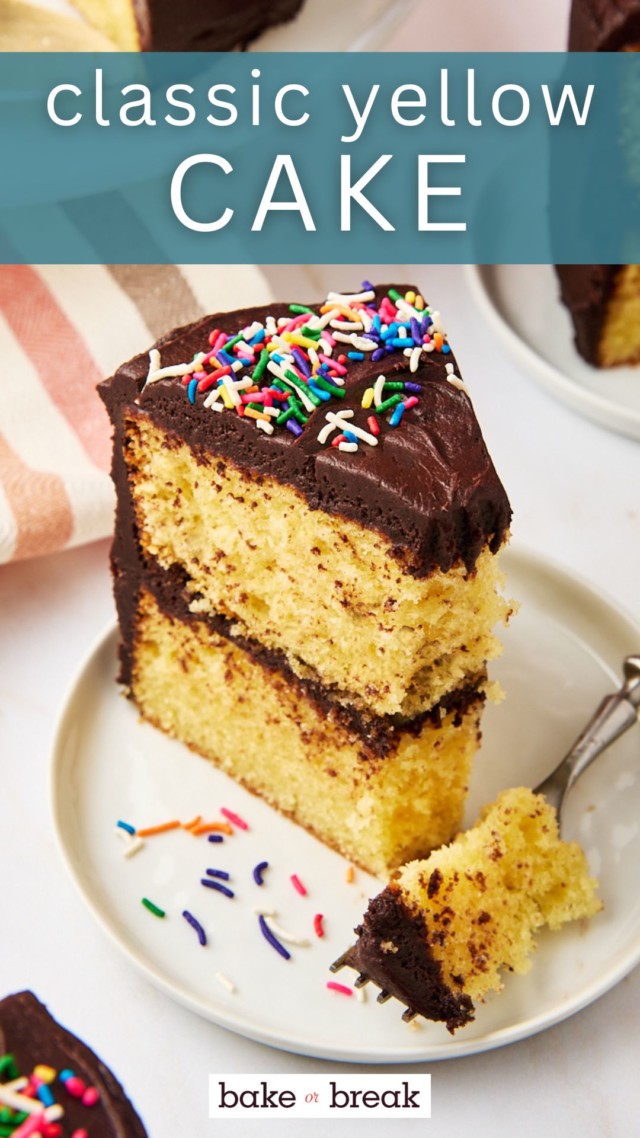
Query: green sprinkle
point(312, 333)
point(388, 403)
point(261, 365)
point(298, 309)
point(232, 343)
point(339, 392)
point(256, 406)
point(285, 416)
point(153, 908)
point(6, 1129)
point(8, 1067)
point(393, 385)
point(394, 294)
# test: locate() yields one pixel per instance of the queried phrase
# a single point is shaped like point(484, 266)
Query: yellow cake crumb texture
point(620, 335)
point(262, 729)
point(485, 895)
point(374, 634)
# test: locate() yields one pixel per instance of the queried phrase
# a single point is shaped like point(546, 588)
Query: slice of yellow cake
point(306, 561)
point(443, 931)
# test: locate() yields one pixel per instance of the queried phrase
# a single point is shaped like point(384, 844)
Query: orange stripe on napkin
point(39, 504)
point(59, 354)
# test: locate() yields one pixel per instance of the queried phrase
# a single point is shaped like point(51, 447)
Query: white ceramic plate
point(321, 25)
point(562, 654)
point(522, 304)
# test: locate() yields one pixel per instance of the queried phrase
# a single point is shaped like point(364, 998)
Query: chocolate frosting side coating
point(585, 290)
point(32, 1036)
point(411, 973)
point(207, 25)
point(604, 25)
point(429, 485)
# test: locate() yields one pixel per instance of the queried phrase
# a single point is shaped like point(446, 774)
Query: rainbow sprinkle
point(278, 372)
point(31, 1106)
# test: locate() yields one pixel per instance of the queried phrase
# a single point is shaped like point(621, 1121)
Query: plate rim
point(525, 558)
point(598, 408)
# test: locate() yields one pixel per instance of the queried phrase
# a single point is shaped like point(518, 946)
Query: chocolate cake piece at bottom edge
point(191, 25)
point(392, 950)
point(32, 1036)
point(604, 25)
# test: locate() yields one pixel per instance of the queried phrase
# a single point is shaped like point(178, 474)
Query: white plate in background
point(521, 303)
point(562, 654)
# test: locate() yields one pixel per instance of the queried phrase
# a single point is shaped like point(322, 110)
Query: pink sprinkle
point(295, 323)
point(234, 818)
point(333, 364)
point(342, 988)
point(80, 1134)
point(75, 1086)
point(256, 397)
point(222, 339)
point(327, 336)
point(32, 1125)
point(411, 402)
point(90, 1096)
point(317, 925)
point(297, 885)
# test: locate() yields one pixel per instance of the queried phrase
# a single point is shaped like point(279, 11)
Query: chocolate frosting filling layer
point(32, 1036)
point(393, 950)
point(429, 485)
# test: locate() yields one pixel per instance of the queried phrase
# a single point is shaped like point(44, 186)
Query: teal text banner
point(320, 158)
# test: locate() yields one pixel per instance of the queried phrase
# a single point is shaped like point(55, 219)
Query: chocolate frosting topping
point(393, 950)
point(32, 1036)
point(429, 485)
point(604, 25)
point(207, 25)
point(585, 289)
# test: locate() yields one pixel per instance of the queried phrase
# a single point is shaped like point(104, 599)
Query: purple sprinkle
point(268, 935)
point(425, 323)
point(190, 919)
point(415, 387)
point(294, 427)
point(301, 362)
point(415, 330)
point(367, 286)
point(379, 354)
point(258, 872)
point(372, 336)
point(217, 886)
point(215, 838)
point(221, 873)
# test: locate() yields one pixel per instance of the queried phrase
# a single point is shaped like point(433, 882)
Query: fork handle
point(613, 717)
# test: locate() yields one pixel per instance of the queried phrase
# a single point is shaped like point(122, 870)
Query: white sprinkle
point(351, 447)
point(436, 322)
point(252, 330)
point(455, 381)
point(313, 356)
point(326, 346)
point(135, 845)
point(357, 431)
point(16, 1084)
point(19, 1102)
point(407, 351)
point(287, 937)
point(350, 298)
point(347, 325)
point(212, 401)
point(415, 359)
point(226, 982)
point(367, 320)
point(325, 319)
point(360, 995)
point(404, 306)
point(402, 333)
point(237, 365)
point(326, 432)
point(241, 384)
point(448, 368)
point(156, 372)
point(276, 370)
point(262, 425)
point(270, 326)
point(154, 363)
point(378, 389)
point(345, 413)
point(360, 343)
point(430, 347)
point(274, 411)
point(282, 320)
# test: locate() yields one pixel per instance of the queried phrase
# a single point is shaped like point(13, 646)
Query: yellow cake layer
point(620, 336)
point(484, 896)
point(331, 595)
point(260, 726)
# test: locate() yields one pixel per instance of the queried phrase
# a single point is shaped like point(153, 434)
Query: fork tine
point(362, 980)
point(383, 996)
point(340, 962)
point(346, 960)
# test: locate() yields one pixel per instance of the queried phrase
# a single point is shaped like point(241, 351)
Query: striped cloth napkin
point(63, 328)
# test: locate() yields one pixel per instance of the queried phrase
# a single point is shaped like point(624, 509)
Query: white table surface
point(575, 493)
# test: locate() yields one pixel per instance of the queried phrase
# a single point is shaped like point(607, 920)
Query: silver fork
point(612, 718)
